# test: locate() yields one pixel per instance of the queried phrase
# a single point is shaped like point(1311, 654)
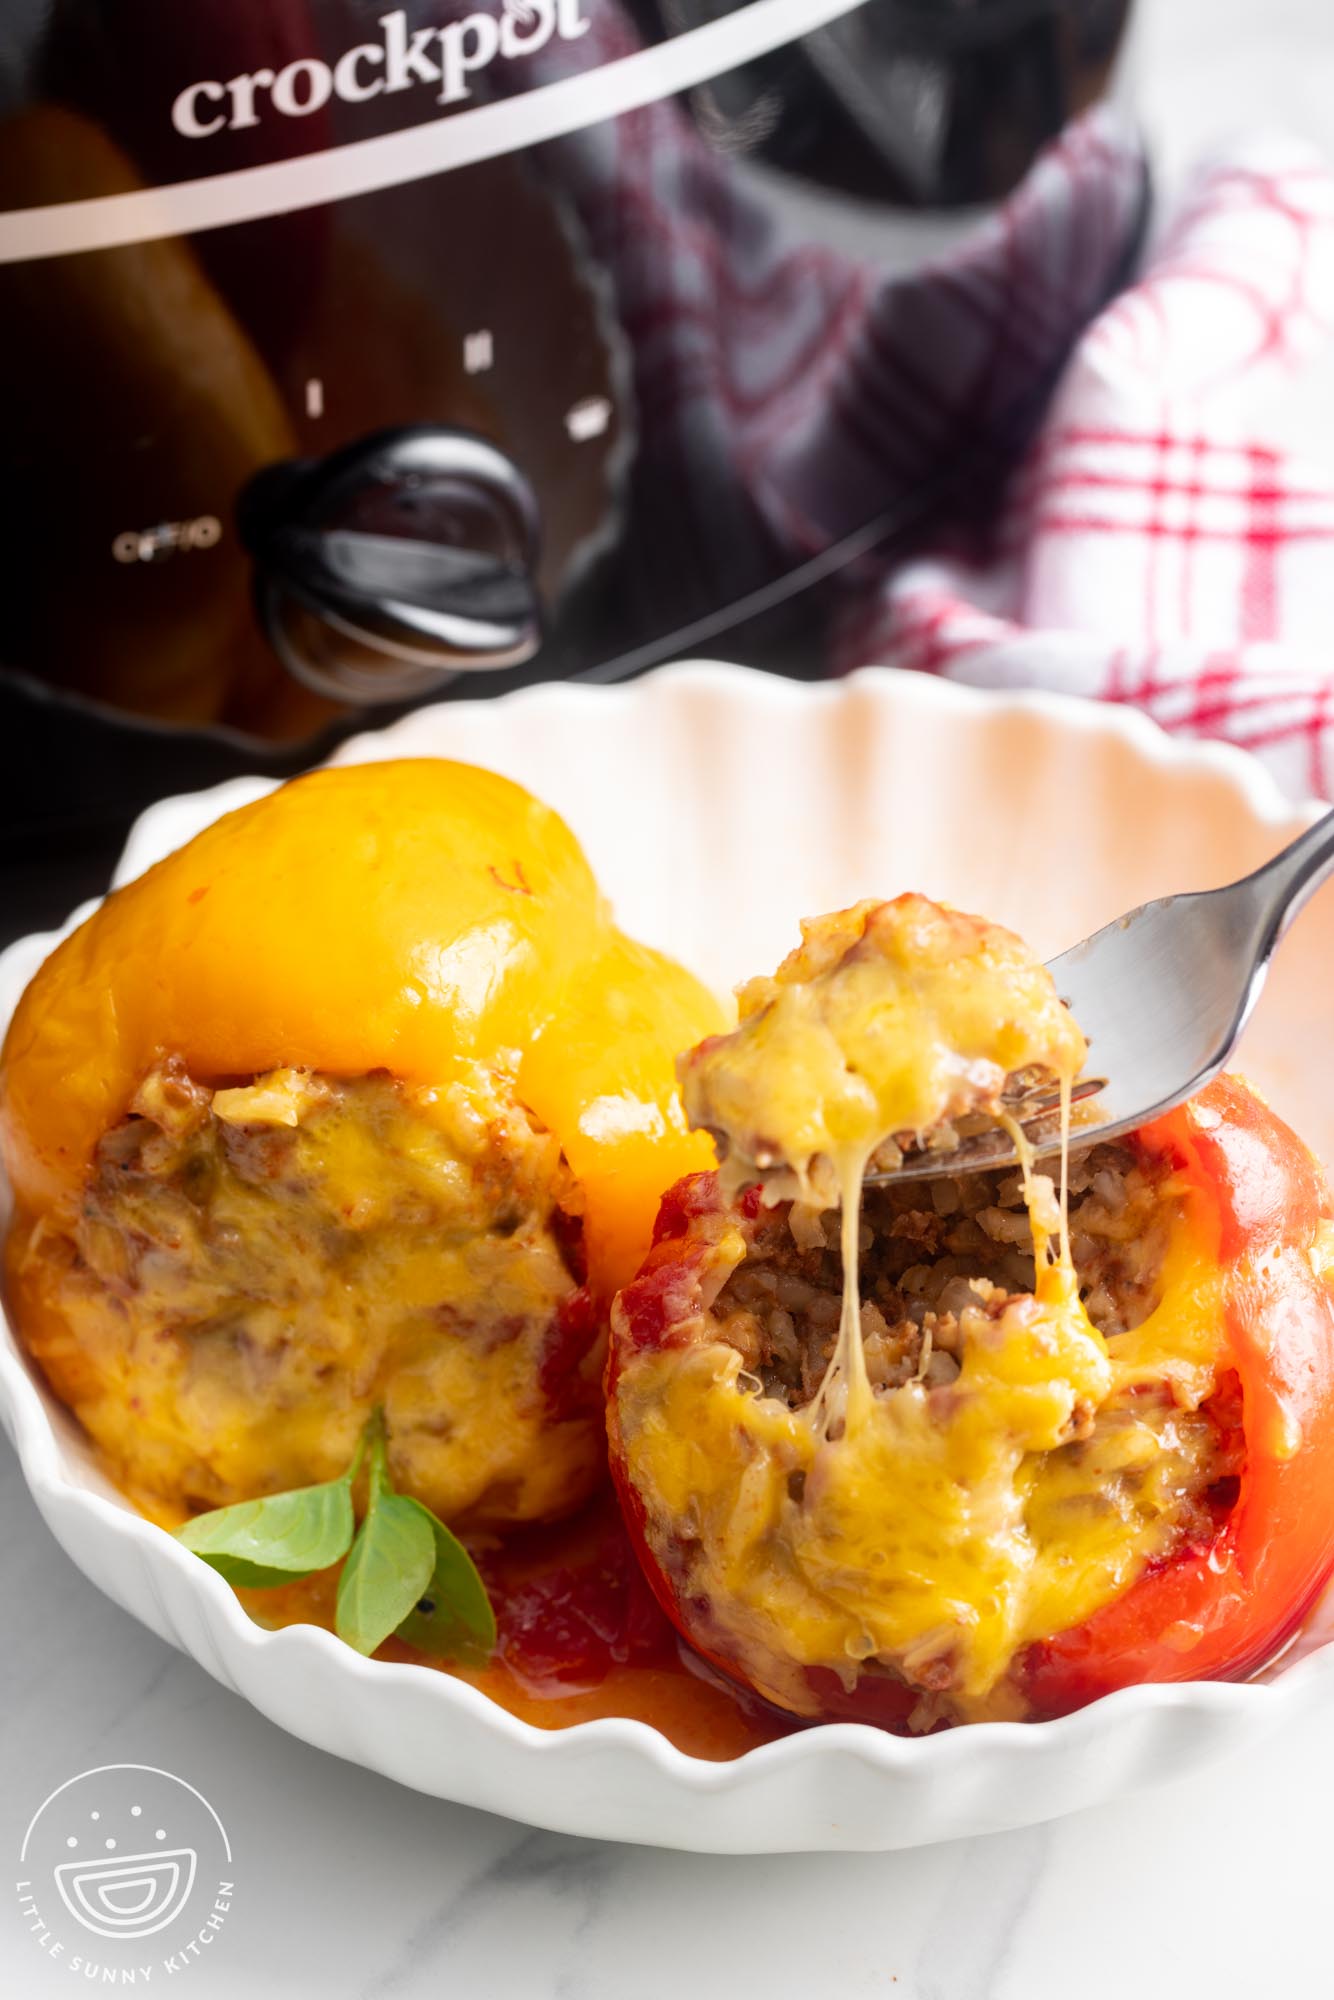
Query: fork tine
point(995, 1148)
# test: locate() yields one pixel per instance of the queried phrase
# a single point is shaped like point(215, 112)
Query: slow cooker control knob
point(399, 561)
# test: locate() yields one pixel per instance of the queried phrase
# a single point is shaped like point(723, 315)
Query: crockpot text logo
point(402, 59)
point(124, 1871)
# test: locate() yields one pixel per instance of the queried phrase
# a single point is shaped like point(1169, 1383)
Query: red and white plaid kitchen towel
point(1148, 548)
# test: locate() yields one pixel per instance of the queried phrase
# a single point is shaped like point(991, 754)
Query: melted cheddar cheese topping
point(255, 1269)
point(888, 1019)
point(956, 1524)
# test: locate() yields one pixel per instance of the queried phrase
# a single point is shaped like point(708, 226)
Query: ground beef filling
point(930, 1251)
point(1152, 1467)
point(256, 1265)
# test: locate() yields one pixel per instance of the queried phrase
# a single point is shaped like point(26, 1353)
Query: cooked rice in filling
point(931, 1250)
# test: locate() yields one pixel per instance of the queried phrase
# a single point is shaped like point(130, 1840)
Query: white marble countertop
point(348, 1887)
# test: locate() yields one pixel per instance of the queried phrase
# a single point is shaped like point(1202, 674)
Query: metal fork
point(1162, 995)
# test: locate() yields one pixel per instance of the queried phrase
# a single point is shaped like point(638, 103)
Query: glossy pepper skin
point(404, 916)
point(1218, 1606)
point(418, 919)
point(1219, 1610)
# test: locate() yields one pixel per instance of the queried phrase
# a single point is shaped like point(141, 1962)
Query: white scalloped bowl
point(717, 806)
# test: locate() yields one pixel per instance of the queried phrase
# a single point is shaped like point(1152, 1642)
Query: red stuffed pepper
point(1085, 1459)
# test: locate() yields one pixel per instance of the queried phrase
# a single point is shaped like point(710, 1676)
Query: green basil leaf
point(387, 1571)
point(250, 1576)
point(276, 1540)
point(460, 1624)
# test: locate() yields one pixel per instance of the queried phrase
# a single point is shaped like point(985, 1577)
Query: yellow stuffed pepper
point(358, 1100)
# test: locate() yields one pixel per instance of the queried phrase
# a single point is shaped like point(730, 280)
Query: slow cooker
point(358, 355)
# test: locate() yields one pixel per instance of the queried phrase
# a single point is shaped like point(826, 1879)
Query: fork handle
point(1284, 884)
